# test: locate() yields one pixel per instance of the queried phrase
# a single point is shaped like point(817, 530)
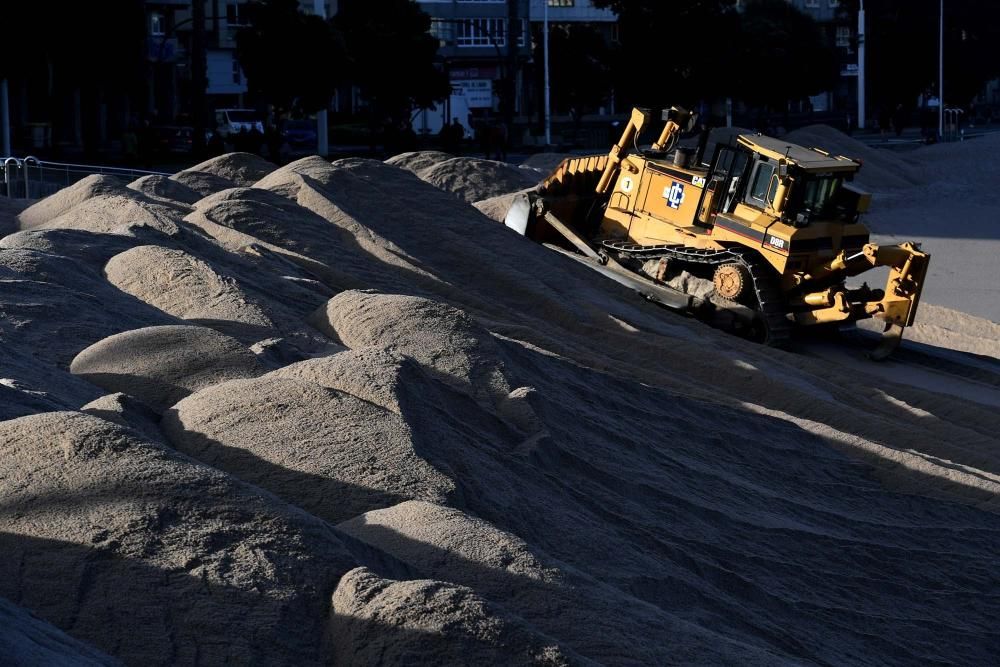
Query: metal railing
point(952, 130)
point(31, 178)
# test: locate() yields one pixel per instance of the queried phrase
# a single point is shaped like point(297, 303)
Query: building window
point(835, 3)
point(481, 32)
point(443, 30)
point(812, 3)
point(157, 26)
point(233, 15)
point(843, 36)
point(562, 3)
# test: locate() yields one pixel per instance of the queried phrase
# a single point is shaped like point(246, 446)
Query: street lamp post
point(861, 66)
point(4, 120)
point(545, 51)
point(322, 128)
point(941, 73)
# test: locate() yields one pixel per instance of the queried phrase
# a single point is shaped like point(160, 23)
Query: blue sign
point(674, 194)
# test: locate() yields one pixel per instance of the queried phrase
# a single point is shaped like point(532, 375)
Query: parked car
point(232, 121)
point(173, 138)
point(300, 133)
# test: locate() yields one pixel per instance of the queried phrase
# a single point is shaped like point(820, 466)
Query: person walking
point(501, 136)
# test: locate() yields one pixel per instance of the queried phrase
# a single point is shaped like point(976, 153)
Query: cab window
point(762, 190)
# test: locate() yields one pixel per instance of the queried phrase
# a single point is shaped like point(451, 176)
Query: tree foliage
point(291, 59)
point(579, 66)
point(783, 55)
point(75, 41)
point(902, 48)
point(391, 57)
point(674, 52)
point(679, 52)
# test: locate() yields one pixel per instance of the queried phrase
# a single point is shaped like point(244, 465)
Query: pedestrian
point(274, 140)
point(216, 145)
point(255, 140)
point(457, 135)
point(500, 136)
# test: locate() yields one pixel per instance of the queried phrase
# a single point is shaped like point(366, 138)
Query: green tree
point(391, 56)
point(783, 55)
point(902, 48)
point(96, 53)
point(675, 53)
point(291, 59)
point(579, 67)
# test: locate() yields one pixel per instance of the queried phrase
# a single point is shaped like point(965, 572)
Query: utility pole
point(4, 120)
point(861, 66)
point(545, 51)
point(199, 84)
point(322, 139)
point(510, 79)
point(941, 73)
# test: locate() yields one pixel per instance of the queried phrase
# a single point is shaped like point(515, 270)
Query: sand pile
point(326, 451)
point(129, 214)
point(545, 162)
point(417, 161)
point(444, 339)
point(313, 168)
point(525, 461)
point(473, 179)
point(394, 622)
point(561, 603)
point(70, 314)
point(127, 411)
point(27, 640)
point(243, 169)
point(943, 327)
point(370, 373)
point(202, 182)
point(264, 215)
point(165, 191)
point(182, 285)
point(170, 561)
point(223, 172)
point(161, 365)
point(62, 201)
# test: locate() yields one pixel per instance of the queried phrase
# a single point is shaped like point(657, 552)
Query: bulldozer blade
point(519, 214)
point(891, 339)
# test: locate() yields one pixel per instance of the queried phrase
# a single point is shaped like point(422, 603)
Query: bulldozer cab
point(801, 185)
point(727, 175)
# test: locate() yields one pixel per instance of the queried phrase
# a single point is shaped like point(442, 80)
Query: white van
point(232, 121)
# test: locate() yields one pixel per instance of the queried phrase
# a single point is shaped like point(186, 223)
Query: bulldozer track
point(777, 328)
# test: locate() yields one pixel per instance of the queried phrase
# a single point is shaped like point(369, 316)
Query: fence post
point(7, 174)
point(27, 190)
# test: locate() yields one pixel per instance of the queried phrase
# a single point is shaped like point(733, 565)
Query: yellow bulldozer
point(759, 239)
